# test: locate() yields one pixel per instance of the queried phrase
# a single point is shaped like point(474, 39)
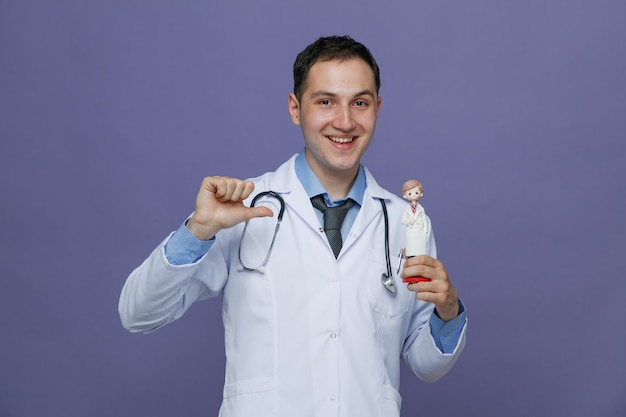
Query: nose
point(343, 119)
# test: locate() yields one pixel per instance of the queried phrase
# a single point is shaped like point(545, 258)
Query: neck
point(337, 183)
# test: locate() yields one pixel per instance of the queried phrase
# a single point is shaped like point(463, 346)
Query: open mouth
point(340, 140)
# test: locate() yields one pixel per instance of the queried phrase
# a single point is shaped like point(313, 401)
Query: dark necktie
point(333, 219)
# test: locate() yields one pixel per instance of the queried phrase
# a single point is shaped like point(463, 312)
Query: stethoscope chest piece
point(387, 279)
point(389, 282)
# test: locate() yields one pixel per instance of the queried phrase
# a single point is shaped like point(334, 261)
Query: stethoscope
point(387, 278)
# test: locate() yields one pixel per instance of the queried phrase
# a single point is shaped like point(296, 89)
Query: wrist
point(201, 231)
point(448, 313)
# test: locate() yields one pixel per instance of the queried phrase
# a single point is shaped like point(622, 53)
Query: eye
point(324, 102)
point(360, 103)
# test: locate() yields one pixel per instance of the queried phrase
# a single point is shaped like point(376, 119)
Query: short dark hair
point(330, 48)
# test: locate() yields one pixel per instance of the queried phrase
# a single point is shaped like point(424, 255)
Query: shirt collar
point(313, 186)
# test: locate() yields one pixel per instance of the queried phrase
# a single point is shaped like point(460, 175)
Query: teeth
point(340, 140)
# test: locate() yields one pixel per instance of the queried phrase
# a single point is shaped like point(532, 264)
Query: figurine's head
point(412, 190)
point(331, 48)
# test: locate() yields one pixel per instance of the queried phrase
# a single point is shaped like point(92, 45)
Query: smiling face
point(337, 113)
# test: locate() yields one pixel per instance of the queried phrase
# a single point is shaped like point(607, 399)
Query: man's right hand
point(219, 205)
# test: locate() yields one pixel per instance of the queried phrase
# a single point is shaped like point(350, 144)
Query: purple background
point(513, 115)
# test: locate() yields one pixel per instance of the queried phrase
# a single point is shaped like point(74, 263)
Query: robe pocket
point(382, 301)
point(391, 402)
point(253, 397)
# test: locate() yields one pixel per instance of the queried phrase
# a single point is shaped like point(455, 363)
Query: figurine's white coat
point(417, 230)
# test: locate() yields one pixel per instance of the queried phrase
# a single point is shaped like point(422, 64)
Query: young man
point(313, 330)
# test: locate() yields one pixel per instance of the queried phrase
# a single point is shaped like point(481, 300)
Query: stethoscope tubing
point(281, 212)
point(387, 279)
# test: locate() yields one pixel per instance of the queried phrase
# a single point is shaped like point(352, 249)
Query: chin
point(345, 167)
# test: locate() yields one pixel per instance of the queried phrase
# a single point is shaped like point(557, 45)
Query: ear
point(294, 109)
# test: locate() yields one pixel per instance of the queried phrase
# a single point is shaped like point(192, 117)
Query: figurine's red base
point(411, 280)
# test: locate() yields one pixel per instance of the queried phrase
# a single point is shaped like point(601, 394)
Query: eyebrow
point(330, 94)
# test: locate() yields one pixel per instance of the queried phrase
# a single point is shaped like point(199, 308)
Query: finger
point(215, 186)
point(427, 291)
point(422, 286)
point(260, 211)
point(429, 297)
point(425, 260)
point(410, 270)
point(417, 271)
point(446, 302)
point(424, 266)
point(229, 187)
point(247, 190)
point(430, 262)
point(232, 189)
point(241, 190)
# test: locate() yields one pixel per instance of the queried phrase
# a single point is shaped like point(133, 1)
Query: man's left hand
point(439, 290)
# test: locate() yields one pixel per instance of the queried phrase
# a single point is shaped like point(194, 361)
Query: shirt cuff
point(446, 333)
point(184, 248)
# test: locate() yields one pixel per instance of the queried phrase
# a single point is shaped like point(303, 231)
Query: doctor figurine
point(414, 218)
